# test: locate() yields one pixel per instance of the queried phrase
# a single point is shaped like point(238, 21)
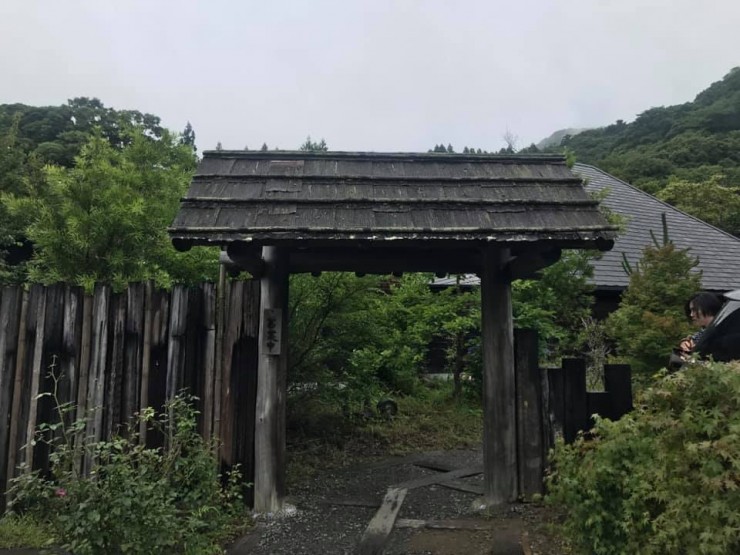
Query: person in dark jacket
point(721, 339)
point(702, 309)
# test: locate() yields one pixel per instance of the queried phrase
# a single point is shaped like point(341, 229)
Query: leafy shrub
point(135, 499)
point(664, 479)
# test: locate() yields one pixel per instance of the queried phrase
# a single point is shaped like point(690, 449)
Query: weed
point(24, 531)
point(134, 499)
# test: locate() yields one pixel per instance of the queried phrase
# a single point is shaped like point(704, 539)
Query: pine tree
point(650, 320)
point(188, 136)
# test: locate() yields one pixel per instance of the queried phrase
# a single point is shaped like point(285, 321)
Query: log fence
point(112, 354)
point(554, 402)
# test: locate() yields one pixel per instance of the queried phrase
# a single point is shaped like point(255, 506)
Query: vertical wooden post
point(176, 342)
point(18, 379)
point(556, 403)
point(36, 377)
point(113, 397)
point(133, 350)
point(530, 438)
point(146, 356)
point(499, 415)
point(10, 305)
point(269, 471)
point(209, 356)
point(71, 346)
point(96, 377)
point(574, 387)
point(618, 383)
point(82, 382)
point(219, 364)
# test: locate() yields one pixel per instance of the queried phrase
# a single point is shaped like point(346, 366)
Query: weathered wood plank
point(50, 375)
point(574, 390)
point(465, 487)
point(369, 503)
point(69, 359)
point(244, 386)
point(133, 349)
point(146, 355)
point(209, 357)
point(97, 374)
point(618, 382)
point(16, 416)
point(499, 401)
point(112, 417)
point(10, 311)
point(556, 401)
point(377, 532)
point(222, 294)
point(598, 402)
point(192, 371)
point(157, 382)
point(447, 524)
point(531, 456)
point(440, 478)
point(84, 374)
point(269, 466)
point(548, 434)
point(36, 373)
point(176, 343)
point(232, 331)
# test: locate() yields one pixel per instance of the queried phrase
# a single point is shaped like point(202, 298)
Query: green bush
point(650, 320)
point(135, 499)
point(664, 479)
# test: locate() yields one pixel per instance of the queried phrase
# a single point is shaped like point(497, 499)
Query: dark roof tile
point(718, 252)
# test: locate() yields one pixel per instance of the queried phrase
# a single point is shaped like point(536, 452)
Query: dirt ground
point(333, 509)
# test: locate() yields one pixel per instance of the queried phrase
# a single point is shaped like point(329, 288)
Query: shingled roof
point(718, 252)
point(304, 199)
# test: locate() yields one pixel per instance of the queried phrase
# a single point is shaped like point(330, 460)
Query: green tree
point(188, 137)
point(708, 200)
point(313, 146)
point(105, 219)
point(21, 174)
point(57, 133)
point(650, 319)
point(556, 304)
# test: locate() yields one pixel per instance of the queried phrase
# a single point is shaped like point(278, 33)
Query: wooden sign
point(272, 336)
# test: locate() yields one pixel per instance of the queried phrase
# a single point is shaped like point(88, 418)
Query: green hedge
point(663, 479)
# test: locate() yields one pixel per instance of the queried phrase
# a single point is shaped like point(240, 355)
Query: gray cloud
point(393, 75)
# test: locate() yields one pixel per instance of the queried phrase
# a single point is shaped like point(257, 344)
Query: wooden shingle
point(309, 200)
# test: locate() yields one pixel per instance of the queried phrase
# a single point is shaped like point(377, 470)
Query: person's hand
point(686, 345)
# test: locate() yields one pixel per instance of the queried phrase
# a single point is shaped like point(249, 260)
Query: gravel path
point(320, 525)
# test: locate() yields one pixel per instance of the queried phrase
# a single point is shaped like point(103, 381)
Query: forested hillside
point(688, 155)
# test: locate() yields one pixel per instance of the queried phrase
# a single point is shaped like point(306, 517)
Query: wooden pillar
point(269, 442)
point(499, 399)
point(575, 414)
point(531, 454)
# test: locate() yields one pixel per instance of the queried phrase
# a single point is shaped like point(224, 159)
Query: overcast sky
point(381, 75)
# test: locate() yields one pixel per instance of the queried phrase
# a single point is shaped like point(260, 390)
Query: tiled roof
point(718, 252)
